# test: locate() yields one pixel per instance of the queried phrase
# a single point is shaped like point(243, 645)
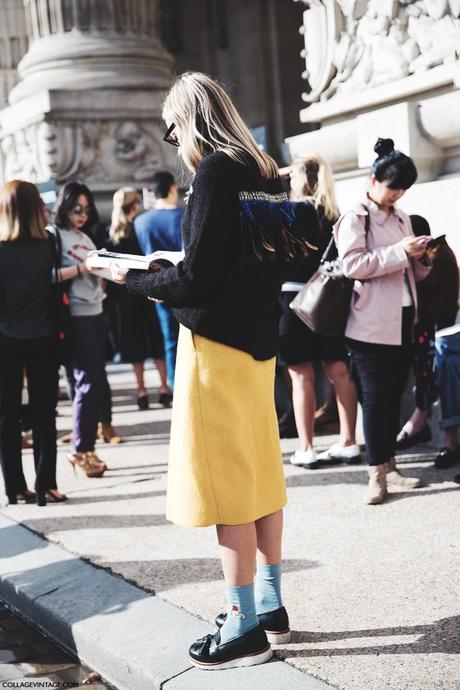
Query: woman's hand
point(415, 246)
point(118, 274)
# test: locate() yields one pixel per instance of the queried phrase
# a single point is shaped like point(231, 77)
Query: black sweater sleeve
point(207, 226)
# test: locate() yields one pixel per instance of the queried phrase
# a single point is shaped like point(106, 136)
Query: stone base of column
point(109, 139)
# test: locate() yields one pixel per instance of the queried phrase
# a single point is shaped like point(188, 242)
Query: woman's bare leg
point(416, 422)
point(237, 545)
point(138, 368)
point(269, 530)
point(304, 401)
point(347, 400)
point(161, 366)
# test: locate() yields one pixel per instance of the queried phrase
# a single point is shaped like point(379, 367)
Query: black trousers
point(37, 356)
point(380, 373)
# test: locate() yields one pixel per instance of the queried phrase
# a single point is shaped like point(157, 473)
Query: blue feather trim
point(269, 221)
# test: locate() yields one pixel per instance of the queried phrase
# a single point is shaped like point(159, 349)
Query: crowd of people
point(249, 251)
point(405, 287)
point(56, 312)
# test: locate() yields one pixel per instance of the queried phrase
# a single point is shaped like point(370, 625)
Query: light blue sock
point(268, 588)
point(241, 613)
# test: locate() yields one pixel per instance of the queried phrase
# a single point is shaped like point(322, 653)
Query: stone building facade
point(13, 45)
point(87, 103)
point(390, 69)
point(85, 80)
point(85, 100)
point(253, 47)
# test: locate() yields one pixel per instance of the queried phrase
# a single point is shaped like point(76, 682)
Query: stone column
point(13, 44)
point(92, 44)
point(89, 98)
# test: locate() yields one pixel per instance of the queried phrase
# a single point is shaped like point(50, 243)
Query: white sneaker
point(346, 455)
point(305, 458)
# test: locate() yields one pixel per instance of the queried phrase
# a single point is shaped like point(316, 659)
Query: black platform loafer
point(405, 440)
point(248, 650)
point(447, 458)
point(275, 624)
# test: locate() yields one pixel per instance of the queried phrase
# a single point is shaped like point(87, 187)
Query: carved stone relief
point(98, 151)
point(380, 41)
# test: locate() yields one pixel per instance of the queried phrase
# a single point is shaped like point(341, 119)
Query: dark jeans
point(105, 414)
point(37, 356)
point(170, 330)
point(447, 364)
point(380, 373)
point(88, 363)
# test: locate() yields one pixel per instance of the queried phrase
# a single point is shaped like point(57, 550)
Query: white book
point(99, 261)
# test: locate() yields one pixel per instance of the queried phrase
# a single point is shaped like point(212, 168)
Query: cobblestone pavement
point(29, 660)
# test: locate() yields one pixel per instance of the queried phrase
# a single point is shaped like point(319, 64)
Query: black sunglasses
point(171, 138)
point(81, 210)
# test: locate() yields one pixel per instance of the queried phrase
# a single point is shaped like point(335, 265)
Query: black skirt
point(138, 329)
point(298, 344)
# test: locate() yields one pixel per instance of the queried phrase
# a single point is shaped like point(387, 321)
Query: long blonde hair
point(207, 121)
point(21, 212)
point(319, 183)
point(123, 201)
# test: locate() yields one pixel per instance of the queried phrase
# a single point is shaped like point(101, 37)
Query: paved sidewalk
point(372, 592)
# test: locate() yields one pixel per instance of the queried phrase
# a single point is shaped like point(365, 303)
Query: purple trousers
point(88, 364)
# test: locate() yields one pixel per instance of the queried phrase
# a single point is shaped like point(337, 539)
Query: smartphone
point(435, 240)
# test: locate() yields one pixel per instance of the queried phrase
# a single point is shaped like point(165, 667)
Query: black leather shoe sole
point(251, 649)
point(338, 460)
point(310, 466)
point(275, 624)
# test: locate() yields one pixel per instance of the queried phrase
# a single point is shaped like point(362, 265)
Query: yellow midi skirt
point(225, 464)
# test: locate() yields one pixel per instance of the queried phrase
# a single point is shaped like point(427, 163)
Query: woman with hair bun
point(385, 259)
point(138, 328)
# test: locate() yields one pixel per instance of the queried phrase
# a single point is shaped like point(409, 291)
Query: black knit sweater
point(222, 290)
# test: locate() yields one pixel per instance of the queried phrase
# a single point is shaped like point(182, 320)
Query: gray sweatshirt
point(85, 292)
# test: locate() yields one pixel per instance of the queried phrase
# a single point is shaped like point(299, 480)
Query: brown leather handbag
point(323, 304)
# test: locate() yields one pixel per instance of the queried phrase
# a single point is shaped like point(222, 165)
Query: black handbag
point(323, 304)
point(60, 301)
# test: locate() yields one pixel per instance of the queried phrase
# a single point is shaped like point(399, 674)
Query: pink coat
point(377, 264)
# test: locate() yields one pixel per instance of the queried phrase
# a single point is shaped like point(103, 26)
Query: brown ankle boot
point(377, 489)
point(394, 478)
point(106, 433)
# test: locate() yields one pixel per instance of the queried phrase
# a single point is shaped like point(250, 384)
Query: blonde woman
point(225, 463)
point(139, 331)
point(316, 211)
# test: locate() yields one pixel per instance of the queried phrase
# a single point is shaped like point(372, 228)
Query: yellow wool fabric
point(225, 464)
